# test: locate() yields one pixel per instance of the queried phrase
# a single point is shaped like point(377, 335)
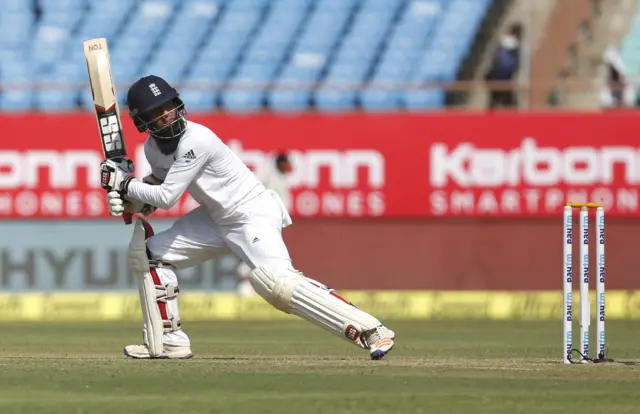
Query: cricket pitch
point(291, 367)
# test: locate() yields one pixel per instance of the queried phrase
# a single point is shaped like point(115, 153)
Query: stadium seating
point(241, 55)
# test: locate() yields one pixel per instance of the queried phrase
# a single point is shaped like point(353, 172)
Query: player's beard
point(167, 146)
point(168, 137)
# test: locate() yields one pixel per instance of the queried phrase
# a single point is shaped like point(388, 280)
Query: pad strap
point(159, 264)
point(164, 293)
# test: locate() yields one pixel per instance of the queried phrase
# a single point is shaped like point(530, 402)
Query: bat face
point(96, 52)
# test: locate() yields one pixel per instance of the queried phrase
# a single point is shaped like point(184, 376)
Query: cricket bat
point(105, 102)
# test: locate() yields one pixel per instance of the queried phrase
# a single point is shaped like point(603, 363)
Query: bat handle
point(128, 218)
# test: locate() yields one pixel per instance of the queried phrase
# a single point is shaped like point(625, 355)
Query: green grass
point(291, 367)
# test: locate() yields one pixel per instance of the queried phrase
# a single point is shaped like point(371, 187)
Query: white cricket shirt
point(203, 166)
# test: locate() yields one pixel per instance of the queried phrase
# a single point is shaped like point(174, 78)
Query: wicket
point(585, 305)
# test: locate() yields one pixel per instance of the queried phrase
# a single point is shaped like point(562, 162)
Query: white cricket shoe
point(169, 352)
point(379, 341)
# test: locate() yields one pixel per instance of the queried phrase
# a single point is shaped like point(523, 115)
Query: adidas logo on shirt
point(190, 155)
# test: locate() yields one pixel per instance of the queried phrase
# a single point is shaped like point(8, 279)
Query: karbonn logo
point(469, 166)
point(60, 169)
point(342, 169)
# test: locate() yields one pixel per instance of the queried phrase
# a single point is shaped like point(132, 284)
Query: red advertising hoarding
point(357, 165)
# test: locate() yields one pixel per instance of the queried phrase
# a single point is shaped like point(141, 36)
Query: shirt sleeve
point(188, 164)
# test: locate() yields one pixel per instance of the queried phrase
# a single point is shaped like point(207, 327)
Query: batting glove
point(118, 205)
point(115, 203)
point(116, 175)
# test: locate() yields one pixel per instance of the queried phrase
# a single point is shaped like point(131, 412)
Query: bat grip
point(126, 217)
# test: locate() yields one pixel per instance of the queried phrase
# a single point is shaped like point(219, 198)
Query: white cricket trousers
point(256, 237)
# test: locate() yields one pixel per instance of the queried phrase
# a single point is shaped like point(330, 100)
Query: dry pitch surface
point(290, 367)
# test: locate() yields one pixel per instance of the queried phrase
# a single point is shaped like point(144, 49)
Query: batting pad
point(139, 263)
point(291, 292)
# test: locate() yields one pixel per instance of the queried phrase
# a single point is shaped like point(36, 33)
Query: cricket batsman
point(236, 212)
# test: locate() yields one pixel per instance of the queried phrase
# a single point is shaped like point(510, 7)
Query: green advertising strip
point(384, 304)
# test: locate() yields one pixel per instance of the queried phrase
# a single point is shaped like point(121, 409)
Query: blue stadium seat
point(95, 24)
point(130, 55)
point(198, 101)
point(230, 35)
point(335, 100)
point(150, 21)
point(239, 100)
point(294, 91)
point(357, 54)
point(192, 23)
point(62, 5)
point(18, 74)
point(446, 51)
point(199, 97)
point(266, 53)
point(67, 76)
point(305, 48)
point(246, 96)
point(16, 29)
point(124, 75)
point(65, 19)
point(56, 101)
point(424, 99)
point(249, 5)
point(215, 73)
point(278, 31)
point(402, 52)
point(86, 100)
point(337, 5)
point(381, 6)
point(378, 99)
point(225, 48)
point(312, 53)
point(295, 88)
point(12, 54)
point(211, 75)
point(15, 70)
point(48, 45)
point(111, 5)
point(289, 100)
point(99, 25)
point(115, 9)
point(16, 100)
point(18, 6)
point(169, 71)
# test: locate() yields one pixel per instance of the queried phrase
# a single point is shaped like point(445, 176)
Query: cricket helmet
point(151, 93)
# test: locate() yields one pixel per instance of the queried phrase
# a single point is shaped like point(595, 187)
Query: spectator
point(618, 91)
point(276, 178)
point(505, 66)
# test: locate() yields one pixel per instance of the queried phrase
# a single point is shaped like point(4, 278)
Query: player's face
point(284, 167)
point(164, 115)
